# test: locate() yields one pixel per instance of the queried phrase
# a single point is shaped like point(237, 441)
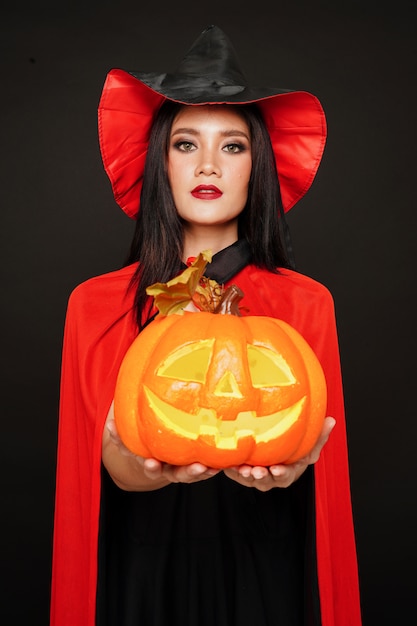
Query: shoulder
point(285, 289)
point(104, 285)
point(104, 296)
point(299, 300)
point(292, 279)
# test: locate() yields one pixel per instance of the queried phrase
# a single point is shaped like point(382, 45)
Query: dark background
point(354, 232)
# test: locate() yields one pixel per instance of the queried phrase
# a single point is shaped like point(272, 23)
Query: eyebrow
point(225, 133)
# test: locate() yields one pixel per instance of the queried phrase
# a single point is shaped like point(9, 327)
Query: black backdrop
point(354, 232)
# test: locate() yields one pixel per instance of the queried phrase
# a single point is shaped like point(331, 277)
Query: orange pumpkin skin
point(220, 390)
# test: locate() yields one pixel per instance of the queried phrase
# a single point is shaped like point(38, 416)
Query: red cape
point(99, 328)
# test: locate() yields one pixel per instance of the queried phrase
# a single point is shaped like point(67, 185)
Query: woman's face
point(209, 164)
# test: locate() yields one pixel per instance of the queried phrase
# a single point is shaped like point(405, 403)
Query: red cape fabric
point(99, 329)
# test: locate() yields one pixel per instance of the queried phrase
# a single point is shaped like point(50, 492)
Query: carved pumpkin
point(220, 389)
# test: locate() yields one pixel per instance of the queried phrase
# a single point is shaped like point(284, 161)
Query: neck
point(214, 238)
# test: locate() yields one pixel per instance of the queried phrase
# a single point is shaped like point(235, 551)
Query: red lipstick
point(206, 192)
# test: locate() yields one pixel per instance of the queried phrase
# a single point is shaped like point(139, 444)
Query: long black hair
point(157, 242)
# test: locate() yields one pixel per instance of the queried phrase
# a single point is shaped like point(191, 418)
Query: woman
point(138, 541)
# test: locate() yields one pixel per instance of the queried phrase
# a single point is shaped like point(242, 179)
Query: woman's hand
point(266, 478)
point(134, 473)
point(192, 473)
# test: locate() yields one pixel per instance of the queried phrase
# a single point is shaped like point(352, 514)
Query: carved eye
point(189, 363)
point(268, 368)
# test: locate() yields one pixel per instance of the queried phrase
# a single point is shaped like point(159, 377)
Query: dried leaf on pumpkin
point(189, 286)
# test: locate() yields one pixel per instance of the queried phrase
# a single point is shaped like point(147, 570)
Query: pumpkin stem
point(229, 302)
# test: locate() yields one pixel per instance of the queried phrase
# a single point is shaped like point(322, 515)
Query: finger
point(245, 471)
point(259, 472)
point(314, 455)
point(199, 471)
point(189, 473)
point(111, 427)
point(329, 424)
point(152, 465)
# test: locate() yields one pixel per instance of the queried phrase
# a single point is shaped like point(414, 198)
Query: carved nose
point(228, 386)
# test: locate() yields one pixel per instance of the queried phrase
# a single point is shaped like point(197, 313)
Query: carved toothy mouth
point(226, 433)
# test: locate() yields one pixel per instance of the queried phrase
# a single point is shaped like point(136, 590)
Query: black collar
point(224, 265)
point(229, 261)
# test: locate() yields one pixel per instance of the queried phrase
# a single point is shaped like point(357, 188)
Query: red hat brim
point(295, 121)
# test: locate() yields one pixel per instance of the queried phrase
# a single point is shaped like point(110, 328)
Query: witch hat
point(208, 74)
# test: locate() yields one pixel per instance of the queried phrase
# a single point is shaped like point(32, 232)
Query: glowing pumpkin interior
point(190, 364)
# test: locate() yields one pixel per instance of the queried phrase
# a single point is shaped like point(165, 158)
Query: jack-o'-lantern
point(220, 389)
